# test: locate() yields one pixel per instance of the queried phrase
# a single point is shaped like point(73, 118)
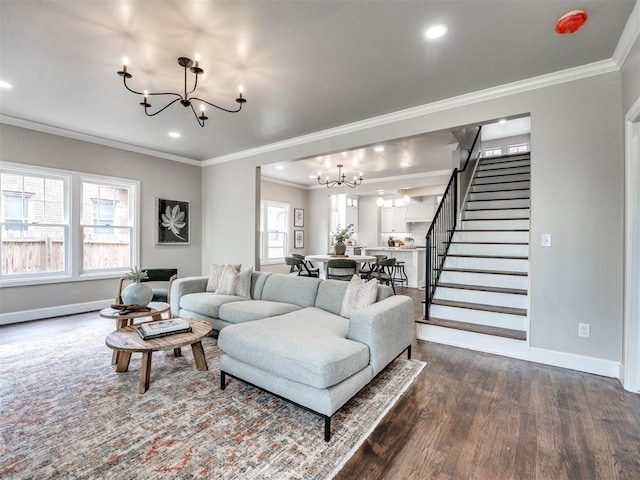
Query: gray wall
point(158, 178)
point(577, 177)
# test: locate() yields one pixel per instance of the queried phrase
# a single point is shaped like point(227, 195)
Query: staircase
point(483, 285)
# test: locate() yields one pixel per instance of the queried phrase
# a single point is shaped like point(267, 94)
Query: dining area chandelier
point(185, 97)
point(342, 180)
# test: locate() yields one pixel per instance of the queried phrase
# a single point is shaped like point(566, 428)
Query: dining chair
point(383, 272)
point(368, 267)
point(298, 267)
point(315, 271)
point(161, 293)
point(341, 269)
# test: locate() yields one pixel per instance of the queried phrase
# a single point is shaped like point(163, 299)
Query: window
point(58, 225)
point(106, 224)
point(35, 230)
point(521, 148)
point(493, 152)
point(274, 231)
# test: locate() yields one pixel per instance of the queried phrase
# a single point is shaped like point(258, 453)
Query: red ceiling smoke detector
point(571, 22)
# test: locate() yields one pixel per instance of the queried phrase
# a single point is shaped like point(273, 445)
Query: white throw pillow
point(235, 283)
point(215, 274)
point(359, 294)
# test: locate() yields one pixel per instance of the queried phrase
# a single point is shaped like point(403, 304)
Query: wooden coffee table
point(126, 340)
point(157, 309)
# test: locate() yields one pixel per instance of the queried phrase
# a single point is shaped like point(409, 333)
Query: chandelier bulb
point(125, 62)
point(197, 58)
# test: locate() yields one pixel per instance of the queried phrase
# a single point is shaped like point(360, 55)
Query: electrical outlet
point(545, 240)
point(583, 330)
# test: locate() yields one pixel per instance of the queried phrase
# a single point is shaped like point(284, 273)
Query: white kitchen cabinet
point(393, 220)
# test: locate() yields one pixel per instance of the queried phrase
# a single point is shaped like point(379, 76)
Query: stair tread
point(499, 219)
point(502, 190)
point(471, 327)
point(490, 272)
point(507, 257)
point(501, 175)
point(493, 209)
point(481, 288)
point(474, 184)
point(499, 199)
point(481, 306)
point(487, 243)
point(481, 169)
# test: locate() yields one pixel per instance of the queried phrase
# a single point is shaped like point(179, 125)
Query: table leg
point(145, 372)
point(198, 356)
point(177, 352)
point(156, 316)
point(123, 357)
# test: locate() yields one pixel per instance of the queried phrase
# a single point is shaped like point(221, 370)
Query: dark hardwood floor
point(472, 415)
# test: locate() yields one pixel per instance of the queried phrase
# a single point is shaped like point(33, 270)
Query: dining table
point(322, 260)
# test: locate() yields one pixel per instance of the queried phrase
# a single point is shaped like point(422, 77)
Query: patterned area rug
point(66, 413)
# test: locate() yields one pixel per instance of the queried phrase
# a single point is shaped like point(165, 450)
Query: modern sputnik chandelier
point(341, 180)
point(185, 99)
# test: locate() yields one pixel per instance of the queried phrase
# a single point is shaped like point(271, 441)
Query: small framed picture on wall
point(298, 217)
point(298, 239)
point(172, 222)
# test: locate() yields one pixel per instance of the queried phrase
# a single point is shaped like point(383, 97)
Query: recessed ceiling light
point(279, 167)
point(174, 135)
point(4, 84)
point(379, 148)
point(435, 31)
point(314, 176)
point(502, 121)
point(404, 164)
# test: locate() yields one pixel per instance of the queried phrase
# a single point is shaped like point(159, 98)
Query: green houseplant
point(340, 236)
point(137, 293)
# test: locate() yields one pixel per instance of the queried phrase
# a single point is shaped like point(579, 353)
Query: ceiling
point(306, 65)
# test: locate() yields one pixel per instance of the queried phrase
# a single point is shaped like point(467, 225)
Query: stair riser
point(506, 161)
point(523, 203)
point(489, 249)
point(485, 280)
point(484, 298)
point(480, 180)
point(515, 164)
point(462, 236)
point(484, 214)
point(479, 317)
point(495, 224)
point(475, 263)
point(475, 188)
point(498, 195)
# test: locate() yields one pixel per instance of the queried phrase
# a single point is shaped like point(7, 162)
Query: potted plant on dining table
point(340, 236)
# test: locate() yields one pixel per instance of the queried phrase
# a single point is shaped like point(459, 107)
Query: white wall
point(158, 178)
point(576, 137)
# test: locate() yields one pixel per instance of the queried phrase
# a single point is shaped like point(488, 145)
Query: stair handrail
point(441, 230)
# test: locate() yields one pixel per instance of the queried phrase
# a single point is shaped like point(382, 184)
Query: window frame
point(264, 238)
point(73, 271)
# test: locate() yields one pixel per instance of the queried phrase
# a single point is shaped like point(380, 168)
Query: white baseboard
point(28, 315)
point(518, 349)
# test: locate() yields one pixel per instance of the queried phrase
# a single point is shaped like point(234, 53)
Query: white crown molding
point(286, 183)
point(568, 75)
point(628, 37)
point(63, 132)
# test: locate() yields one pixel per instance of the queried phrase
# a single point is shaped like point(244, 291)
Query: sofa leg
point(327, 428)
point(409, 352)
point(223, 383)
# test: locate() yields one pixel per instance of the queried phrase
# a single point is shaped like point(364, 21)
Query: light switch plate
point(545, 240)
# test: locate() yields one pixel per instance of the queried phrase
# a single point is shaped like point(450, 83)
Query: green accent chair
point(367, 267)
point(310, 266)
point(383, 272)
point(298, 267)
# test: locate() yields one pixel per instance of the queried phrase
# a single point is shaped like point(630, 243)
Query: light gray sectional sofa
point(289, 338)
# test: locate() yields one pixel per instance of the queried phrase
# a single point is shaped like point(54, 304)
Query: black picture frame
point(172, 222)
point(298, 217)
point(298, 239)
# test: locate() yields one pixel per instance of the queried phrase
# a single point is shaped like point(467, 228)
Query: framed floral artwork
point(298, 217)
point(298, 239)
point(172, 222)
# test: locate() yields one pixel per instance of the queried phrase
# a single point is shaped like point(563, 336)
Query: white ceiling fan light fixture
point(434, 32)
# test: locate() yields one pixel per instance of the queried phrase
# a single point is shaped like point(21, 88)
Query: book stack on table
point(173, 326)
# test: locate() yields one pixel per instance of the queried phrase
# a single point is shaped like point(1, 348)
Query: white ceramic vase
point(137, 294)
